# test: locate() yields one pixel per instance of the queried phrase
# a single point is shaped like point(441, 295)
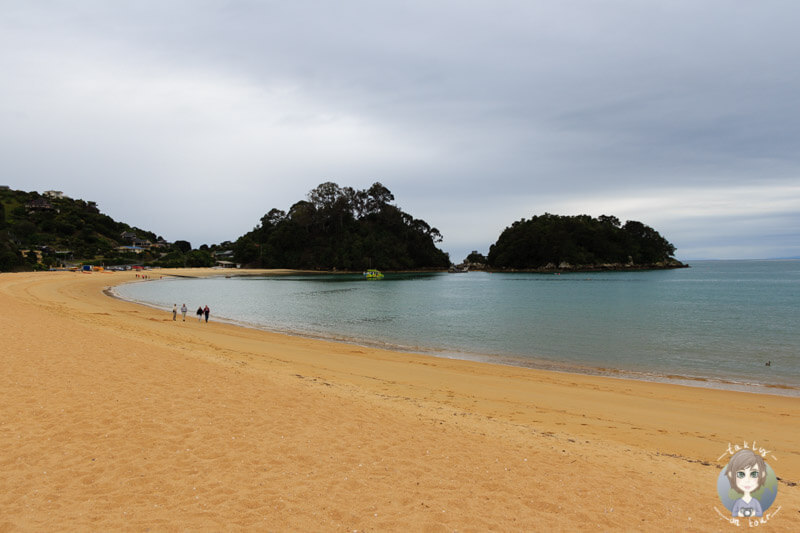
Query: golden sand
point(115, 417)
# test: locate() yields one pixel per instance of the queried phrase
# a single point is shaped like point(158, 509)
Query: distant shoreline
point(605, 267)
point(540, 270)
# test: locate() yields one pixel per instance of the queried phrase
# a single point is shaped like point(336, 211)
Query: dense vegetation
point(579, 241)
point(38, 232)
point(334, 228)
point(342, 228)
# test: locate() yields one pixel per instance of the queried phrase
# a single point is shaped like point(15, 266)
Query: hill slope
point(54, 228)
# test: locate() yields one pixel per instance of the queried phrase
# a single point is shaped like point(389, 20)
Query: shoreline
point(719, 382)
point(114, 416)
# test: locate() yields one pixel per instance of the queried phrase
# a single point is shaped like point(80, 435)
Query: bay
point(715, 324)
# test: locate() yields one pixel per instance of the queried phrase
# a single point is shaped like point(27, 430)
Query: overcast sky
point(194, 118)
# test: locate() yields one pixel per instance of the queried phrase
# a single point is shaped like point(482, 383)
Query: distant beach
point(117, 417)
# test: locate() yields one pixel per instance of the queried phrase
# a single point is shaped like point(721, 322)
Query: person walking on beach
point(199, 314)
point(174, 312)
point(183, 311)
point(207, 311)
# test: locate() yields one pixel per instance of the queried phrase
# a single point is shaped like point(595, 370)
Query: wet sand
point(115, 417)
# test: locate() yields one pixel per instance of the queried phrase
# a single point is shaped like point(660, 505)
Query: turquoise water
point(715, 324)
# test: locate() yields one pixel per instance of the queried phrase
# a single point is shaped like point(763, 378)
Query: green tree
point(10, 258)
point(199, 258)
point(182, 246)
point(475, 257)
point(24, 230)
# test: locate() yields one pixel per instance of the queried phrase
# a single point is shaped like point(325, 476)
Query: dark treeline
point(342, 228)
point(550, 240)
point(334, 228)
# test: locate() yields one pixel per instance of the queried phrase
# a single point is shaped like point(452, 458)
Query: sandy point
point(115, 417)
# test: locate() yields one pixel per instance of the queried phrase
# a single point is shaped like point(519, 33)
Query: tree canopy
point(579, 241)
point(342, 228)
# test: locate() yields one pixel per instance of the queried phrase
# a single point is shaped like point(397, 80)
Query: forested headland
point(41, 231)
point(345, 229)
point(549, 242)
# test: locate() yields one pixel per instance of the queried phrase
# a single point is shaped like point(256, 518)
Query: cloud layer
point(193, 119)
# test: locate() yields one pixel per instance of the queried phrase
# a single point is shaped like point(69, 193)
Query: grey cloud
point(518, 107)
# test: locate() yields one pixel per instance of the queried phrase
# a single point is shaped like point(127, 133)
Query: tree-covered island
point(344, 229)
point(555, 242)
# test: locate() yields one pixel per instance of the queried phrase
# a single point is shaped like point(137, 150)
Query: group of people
point(202, 312)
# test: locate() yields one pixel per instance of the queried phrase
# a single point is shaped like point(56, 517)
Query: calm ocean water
point(715, 324)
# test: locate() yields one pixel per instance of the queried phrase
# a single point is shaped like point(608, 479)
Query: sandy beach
point(114, 416)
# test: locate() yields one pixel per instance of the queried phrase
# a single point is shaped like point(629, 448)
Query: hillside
point(43, 230)
point(580, 243)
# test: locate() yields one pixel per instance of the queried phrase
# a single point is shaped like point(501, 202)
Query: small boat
point(373, 274)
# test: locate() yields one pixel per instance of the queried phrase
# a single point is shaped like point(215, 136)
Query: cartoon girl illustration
point(746, 473)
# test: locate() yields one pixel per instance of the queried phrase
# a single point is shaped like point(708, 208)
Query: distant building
point(160, 243)
point(39, 204)
point(54, 194)
point(4, 188)
point(134, 249)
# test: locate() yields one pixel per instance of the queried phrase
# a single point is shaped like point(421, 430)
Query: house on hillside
point(135, 241)
point(127, 236)
point(57, 195)
point(223, 254)
point(38, 204)
point(129, 249)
